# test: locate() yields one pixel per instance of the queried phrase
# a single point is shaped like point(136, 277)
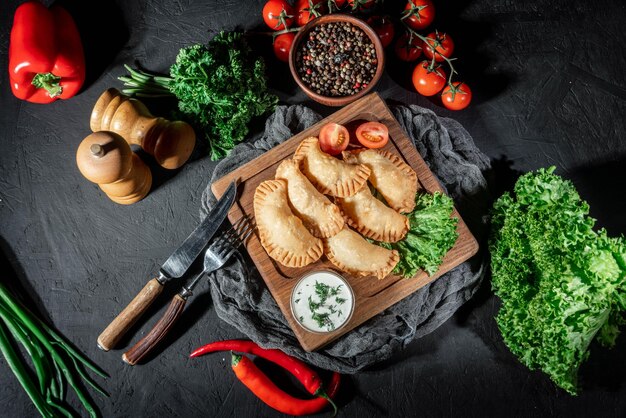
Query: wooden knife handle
point(155, 335)
point(118, 327)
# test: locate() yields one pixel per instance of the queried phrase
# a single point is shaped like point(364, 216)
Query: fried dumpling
point(353, 254)
point(282, 234)
point(372, 218)
point(321, 217)
point(328, 174)
point(394, 179)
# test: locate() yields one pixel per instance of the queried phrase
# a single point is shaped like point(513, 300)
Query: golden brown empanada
point(372, 218)
point(351, 253)
point(321, 217)
point(282, 234)
point(328, 174)
point(391, 176)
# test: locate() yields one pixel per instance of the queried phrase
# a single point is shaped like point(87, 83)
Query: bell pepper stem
point(49, 82)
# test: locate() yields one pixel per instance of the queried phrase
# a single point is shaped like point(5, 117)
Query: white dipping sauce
point(322, 301)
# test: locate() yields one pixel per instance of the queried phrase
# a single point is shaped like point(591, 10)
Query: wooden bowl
point(337, 17)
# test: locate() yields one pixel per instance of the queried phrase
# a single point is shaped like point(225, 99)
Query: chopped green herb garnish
point(313, 306)
point(320, 310)
point(323, 320)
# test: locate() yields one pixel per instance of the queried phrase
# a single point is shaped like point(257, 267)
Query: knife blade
point(174, 267)
point(180, 260)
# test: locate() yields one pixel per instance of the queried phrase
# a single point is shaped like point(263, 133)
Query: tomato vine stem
point(427, 40)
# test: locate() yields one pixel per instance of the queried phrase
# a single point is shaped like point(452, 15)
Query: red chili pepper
point(251, 376)
point(46, 58)
point(305, 375)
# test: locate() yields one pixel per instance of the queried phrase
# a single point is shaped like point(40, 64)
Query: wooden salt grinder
point(170, 143)
point(105, 158)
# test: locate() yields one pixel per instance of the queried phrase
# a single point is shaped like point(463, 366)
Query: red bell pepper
point(46, 57)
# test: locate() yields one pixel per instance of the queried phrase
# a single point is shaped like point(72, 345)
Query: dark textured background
point(549, 89)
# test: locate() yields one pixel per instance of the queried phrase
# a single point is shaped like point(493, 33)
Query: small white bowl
point(317, 315)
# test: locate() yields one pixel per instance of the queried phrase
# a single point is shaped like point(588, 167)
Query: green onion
point(55, 361)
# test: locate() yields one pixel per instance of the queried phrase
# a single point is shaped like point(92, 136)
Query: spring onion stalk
point(56, 363)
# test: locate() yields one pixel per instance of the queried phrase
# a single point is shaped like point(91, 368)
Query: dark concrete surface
point(549, 86)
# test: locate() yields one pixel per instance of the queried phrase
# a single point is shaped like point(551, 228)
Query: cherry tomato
point(339, 3)
point(408, 51)
point(361, 4)
point(334, 138)
point(419, 14)
point(282, 45)
point(308, 10)
point(383, 26)
point(372, 134)
point(427, 81)
point(457, 97)
point(277, 13)
point(440, 46)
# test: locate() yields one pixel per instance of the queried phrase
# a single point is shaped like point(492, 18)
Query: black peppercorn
point(338, 59)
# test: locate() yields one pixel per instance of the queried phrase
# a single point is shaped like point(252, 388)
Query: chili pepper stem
point(235, 359)
point(322, 394)
point(49, 82)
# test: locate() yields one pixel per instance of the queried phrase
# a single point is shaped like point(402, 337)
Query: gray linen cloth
point(242, 299)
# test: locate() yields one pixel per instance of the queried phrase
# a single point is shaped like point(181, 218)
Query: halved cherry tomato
point(334, 138)
point(383, 26)
point(277, 13)
point(408, 51)
point(419, 14)
point(308, 10)
point(372, 134)
point(440, 46)
point(428, 81)
point(456, 97)
point(282, 45)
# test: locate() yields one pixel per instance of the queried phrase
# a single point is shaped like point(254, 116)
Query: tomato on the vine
point(428, 81)
point(408, 49)
point(419, 14)
point(456, 97)
point(338, 4)
point(439, 45)
point(282, 45)
point(334, 138)
point(308, 10)
point(383, 26)
point(277, 14)
point(372, 134)
point(361, 4)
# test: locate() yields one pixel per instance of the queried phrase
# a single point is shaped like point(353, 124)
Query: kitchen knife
point(174, 267)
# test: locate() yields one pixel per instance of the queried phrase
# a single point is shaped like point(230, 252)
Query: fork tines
point(236, 234)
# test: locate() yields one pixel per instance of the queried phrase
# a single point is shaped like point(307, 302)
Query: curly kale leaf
point(220, 87)
point(561, 283)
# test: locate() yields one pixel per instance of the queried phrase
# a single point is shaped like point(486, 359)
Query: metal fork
point(215, 256)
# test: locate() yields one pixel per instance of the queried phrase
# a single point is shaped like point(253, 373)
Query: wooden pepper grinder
point(171, 143)
point(105, 158)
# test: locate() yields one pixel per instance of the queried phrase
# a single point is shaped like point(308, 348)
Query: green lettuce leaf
point(431, 235)
point(561, 283)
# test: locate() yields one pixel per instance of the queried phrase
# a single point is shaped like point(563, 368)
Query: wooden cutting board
point(372, 296)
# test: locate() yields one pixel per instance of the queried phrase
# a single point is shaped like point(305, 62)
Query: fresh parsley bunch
point(561, 283)
point(219, 86)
